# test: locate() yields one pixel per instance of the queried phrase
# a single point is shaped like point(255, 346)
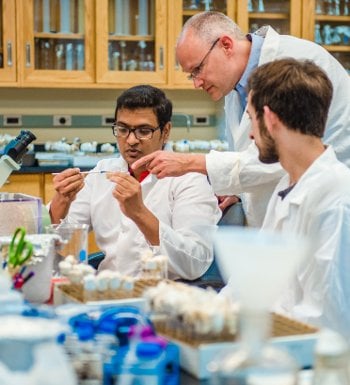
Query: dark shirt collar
point(285, 192)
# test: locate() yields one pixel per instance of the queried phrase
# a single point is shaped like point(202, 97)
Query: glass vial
point(46, 16)
point(142, 26)
point(65, 23)
point(331, 360)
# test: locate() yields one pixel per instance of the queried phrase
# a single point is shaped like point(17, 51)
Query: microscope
point(13, 154)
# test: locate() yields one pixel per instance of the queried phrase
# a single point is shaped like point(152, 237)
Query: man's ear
point(271, 120)
point(166, 131)
point(227, 43)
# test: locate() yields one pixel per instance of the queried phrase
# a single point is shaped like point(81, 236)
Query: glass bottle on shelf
point(329, 7)
point(250, 6)
point(319, 7)
point(207, 5)
point(193, 4)
point(318, 36)
point(60, 56)
point(129, 46)
point(261, 6)
point(58, 18)
point(337, 7)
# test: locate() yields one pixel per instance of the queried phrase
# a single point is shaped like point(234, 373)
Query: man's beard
point(268, 152)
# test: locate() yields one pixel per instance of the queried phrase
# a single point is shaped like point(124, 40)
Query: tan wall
point(97, 102)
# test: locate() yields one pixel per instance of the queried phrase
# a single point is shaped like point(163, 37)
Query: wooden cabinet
point(179, 12)
point(48, 189)
point(328, 23)
point(8, 57)
point(30, 184)
point(119, 43)
point(283, 15)
point(56, 42)
point(131, 42)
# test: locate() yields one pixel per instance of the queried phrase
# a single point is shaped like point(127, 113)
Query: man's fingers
point(144, 160)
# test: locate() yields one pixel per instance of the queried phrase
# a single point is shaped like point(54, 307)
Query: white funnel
point(257, 264)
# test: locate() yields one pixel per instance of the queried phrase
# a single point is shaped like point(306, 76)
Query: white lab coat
point(317, 207)
point(241, 172)
point(187, 210)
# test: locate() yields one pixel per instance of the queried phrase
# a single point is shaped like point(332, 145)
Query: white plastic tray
point(195, 360)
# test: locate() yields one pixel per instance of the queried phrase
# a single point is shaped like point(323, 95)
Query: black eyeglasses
point(197, 70)
point(141, 132)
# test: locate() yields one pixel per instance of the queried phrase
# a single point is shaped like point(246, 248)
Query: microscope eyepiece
point(18, 146)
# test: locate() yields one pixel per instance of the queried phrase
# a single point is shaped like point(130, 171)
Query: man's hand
point(67, 185)
point(227, 201)
point(165, 163)
point(129, 195)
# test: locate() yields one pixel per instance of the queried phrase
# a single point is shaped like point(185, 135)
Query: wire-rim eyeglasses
point(197, 70)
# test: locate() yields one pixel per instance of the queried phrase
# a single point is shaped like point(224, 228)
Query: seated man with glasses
point(132, 211)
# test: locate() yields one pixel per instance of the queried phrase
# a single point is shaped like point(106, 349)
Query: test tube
point(126, 17)
point(65, 16)
point(46, 15)
point(118, 17)
point(142, 26)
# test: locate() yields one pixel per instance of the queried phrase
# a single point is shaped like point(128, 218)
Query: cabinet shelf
point(345, 19)
point(131, 38)
point(190, 12)
point(54, 35)
point(265, 15)
point(337, 48)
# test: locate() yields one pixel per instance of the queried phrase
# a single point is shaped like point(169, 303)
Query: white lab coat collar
point(271, 44)
point(300, 191)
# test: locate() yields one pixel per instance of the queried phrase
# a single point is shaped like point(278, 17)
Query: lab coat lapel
point(270, 46)
point(238, 129)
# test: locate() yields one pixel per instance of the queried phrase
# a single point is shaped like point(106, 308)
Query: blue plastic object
point(143, 364)
point(139, 352)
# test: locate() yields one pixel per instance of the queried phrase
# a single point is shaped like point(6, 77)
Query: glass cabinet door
point(282, 15)
point(131, 39)
point(58, 41)
point(179, 12)
point(327, 22)
point(7, 42)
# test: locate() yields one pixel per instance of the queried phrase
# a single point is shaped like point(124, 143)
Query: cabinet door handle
point(9, 53)
point(28, 55)
point(161, 58)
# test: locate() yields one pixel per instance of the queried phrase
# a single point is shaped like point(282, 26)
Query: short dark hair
point(146, 96)
point(299, 92)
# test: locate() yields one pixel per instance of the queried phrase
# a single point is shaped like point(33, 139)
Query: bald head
point(209, 25)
